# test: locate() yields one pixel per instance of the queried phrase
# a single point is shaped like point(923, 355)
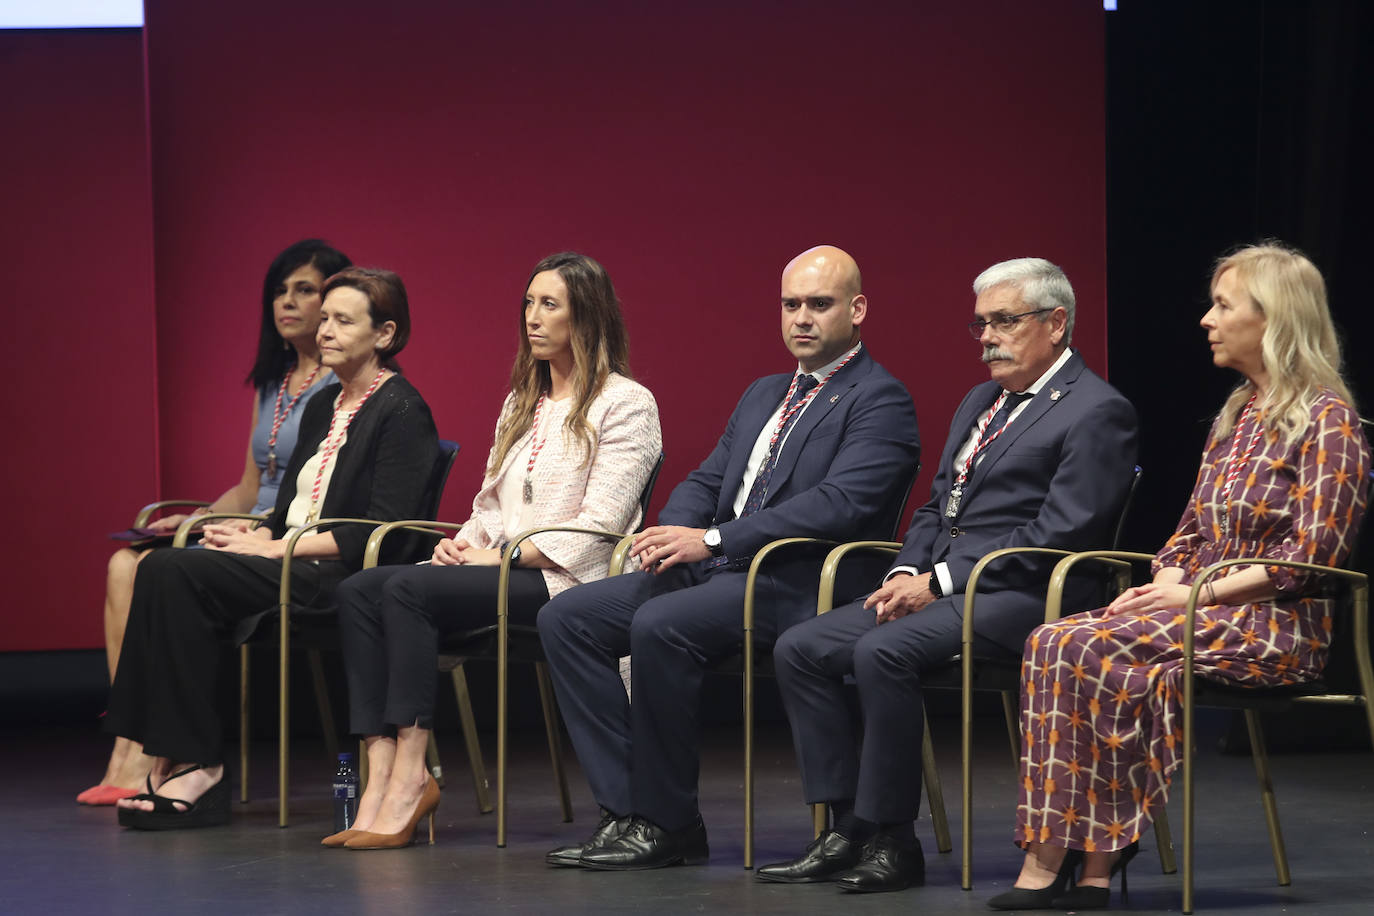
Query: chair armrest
point(374, 540)
point(1120, 560)
point(503, 579)
point(1359, 583)
point(971, 589)
point(185, 529)
point(141, 519)
point(825, 595)
point(620, 555)
point(756, 564)
point(284, 595)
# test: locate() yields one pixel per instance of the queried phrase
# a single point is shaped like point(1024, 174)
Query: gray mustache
point(990, 353)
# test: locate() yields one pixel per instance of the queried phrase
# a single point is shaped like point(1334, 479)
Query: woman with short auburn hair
point(367, 449)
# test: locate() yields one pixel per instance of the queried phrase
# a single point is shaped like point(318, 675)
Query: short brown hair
point(386, 301)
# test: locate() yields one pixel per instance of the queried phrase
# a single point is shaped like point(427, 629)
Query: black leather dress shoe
point(887, 865)
point(604, 834)
point(829, 854)
point(646, 845)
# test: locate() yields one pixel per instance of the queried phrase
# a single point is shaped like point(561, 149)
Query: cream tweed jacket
point(602, 493)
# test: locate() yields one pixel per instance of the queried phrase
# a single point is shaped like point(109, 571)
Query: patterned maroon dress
point(1101, 696)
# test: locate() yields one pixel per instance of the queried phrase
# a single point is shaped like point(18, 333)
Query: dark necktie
point(1012, 402)
point(999, 420)
point(759, 489)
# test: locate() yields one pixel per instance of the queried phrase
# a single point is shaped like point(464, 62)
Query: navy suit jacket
point(1058, 477)
point(841, 474)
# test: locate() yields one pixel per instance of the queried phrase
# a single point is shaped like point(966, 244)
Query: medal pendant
point(271, 464)
point(528, 491)
point(952, 507)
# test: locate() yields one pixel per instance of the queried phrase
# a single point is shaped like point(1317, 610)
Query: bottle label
point(345, 790)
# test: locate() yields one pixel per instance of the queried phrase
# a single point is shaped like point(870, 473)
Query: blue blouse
point(286, 438)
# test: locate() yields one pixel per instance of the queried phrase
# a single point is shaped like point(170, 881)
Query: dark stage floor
point(59, 857)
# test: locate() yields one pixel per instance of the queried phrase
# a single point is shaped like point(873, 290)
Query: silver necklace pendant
point(956, 494)
point(271, 464)
point(528, 491)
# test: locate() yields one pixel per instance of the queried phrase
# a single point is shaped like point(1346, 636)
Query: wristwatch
point(712, 541)
point(934, 585)
point(514, 554)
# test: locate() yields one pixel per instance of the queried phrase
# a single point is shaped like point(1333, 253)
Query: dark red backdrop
point(692, 149)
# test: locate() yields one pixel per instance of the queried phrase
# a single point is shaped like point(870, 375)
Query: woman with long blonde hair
point(1283, 476)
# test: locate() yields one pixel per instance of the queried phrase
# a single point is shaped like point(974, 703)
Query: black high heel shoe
point(1086, 897)
point(1024, 898)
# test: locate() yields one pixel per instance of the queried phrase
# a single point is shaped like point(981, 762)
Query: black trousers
point(186, 604)
point(390, 621)
point(643, 757)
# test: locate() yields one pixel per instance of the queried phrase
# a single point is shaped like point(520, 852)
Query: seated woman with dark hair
point(1283, 477)
point(575, 443)
point(366, 449)
point(286, 373)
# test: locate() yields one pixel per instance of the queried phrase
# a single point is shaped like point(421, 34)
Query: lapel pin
point(1054, 394)
point(834, 398)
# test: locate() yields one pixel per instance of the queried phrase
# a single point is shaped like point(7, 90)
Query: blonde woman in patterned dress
point(1282, 476)
point(574, 445)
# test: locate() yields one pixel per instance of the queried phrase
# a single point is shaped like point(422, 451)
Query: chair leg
point(284, 723)
point(243, 723)
point(331, 735)
point(560, 775)
point(935, 796)
point(820, 818)
point(1267, 798)
point(748, 698)
point(470, 740)
point(1165, 841)
point(1011, 713)
point(432, 761)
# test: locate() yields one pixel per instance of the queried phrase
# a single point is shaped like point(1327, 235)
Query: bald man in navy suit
point(1042, 455)
point(823, 451)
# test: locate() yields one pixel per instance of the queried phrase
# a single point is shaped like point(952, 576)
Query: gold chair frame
point(546, 695)
point(1358, 584)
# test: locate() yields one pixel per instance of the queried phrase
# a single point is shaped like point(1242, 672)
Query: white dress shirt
point(760, 452)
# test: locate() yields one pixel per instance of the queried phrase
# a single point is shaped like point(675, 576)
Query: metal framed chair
point(494, 641)
point(322, 634)
point(751, 661)
point(967, 672)
point(1351, 635)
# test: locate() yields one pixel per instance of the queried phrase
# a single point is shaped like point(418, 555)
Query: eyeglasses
point(1003, 323)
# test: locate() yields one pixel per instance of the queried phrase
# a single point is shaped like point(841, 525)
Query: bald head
point(833, 264)
point(822, 305)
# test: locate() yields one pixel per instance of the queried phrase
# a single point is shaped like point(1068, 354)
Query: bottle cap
point(346, 757)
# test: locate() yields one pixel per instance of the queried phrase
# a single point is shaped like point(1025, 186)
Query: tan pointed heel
point(336, 840)
point(429, 803)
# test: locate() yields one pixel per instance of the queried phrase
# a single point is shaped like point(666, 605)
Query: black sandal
point(210, 810)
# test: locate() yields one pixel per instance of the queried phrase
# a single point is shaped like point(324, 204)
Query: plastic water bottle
point(345, 793)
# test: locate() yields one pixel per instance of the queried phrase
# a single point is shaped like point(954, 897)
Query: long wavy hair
point(274, 356)
point(1300, 349)
point(600, 346)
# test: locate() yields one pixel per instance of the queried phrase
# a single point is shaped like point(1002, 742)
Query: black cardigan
point(381, 472)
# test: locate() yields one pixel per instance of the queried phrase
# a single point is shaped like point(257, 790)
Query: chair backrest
point(648, 492)
point(901, 507)
point(1126, 508)
point(438, 478)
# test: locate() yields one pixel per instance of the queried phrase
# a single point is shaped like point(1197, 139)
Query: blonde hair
point(1299, 349)
point(600, 346)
